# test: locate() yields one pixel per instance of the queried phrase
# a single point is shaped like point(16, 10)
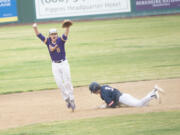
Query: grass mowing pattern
point(104, 51)
point(161, 123)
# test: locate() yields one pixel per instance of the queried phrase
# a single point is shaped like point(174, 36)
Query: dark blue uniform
point(110, 95)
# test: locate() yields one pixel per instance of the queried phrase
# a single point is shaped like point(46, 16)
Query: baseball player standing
point(113, 97)
point(60, 65)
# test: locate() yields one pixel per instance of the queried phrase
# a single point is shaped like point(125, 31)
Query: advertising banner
point(46, 9)
point(8, 11)
point(156, 4)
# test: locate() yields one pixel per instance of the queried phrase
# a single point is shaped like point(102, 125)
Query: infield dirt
point(45, 106)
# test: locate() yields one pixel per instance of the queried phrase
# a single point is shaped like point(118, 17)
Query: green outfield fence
point(26, 10)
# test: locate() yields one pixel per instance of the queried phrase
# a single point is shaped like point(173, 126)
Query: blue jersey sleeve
point(110, 101)
point(106, 95)
point(110, 96)
point(64, 38)
point(107, 99)
point(42, 38)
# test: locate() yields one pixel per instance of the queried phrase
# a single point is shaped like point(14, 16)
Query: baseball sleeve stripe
point(111, 103)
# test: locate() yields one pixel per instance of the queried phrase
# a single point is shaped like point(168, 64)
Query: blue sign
point(8, 11)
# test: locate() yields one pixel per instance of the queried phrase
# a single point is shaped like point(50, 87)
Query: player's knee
point(68, 85)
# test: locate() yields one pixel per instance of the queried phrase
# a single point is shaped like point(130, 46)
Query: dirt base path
point(45, 106)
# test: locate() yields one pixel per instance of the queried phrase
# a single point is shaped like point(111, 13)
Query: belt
point(58, 61)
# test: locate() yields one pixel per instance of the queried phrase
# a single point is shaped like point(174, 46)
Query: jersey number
point(109, 88)
point(58, 50)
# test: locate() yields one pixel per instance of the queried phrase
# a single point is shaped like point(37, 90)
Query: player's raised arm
point(66, 33)
point(38, 34)
point(66, 25)
point(35, 29)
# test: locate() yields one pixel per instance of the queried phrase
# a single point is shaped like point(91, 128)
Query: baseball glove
point(66, 23)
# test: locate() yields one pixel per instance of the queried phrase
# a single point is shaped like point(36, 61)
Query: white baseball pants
point(129, 100)
point(62, 76)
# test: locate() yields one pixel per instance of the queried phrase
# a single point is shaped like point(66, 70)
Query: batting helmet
point(94, 86)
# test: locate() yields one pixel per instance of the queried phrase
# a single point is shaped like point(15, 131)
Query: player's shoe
point(155, 92)
point(73, 106)
point(159, 89)
point(156, 95)
point(68, 103)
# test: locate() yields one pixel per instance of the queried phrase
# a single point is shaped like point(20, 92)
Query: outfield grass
point(162, 123)
point(105, 51)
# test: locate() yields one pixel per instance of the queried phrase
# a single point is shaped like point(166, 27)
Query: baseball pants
point(61, 72)
point(129, 100)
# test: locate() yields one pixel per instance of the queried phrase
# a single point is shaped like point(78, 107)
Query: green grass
point(105, 51)
point(162, 123)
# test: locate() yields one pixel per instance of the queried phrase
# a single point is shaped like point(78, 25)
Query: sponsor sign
point(156, 4)
point(8, 11)
point(65, 8)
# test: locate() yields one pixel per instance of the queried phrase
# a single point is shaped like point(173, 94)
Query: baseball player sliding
point(60, 66)
point(113, 97)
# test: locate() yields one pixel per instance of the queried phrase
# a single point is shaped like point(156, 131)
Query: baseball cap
point(51, 31)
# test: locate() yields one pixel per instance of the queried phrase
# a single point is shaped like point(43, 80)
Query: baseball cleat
point(156, 91)
point(156, 95)
point(157, 88)
point(68, 103)
point(73, 106)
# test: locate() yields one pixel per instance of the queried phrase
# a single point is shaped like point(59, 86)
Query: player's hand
point(34, 25)
point(103, 106)
point(35, 29)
